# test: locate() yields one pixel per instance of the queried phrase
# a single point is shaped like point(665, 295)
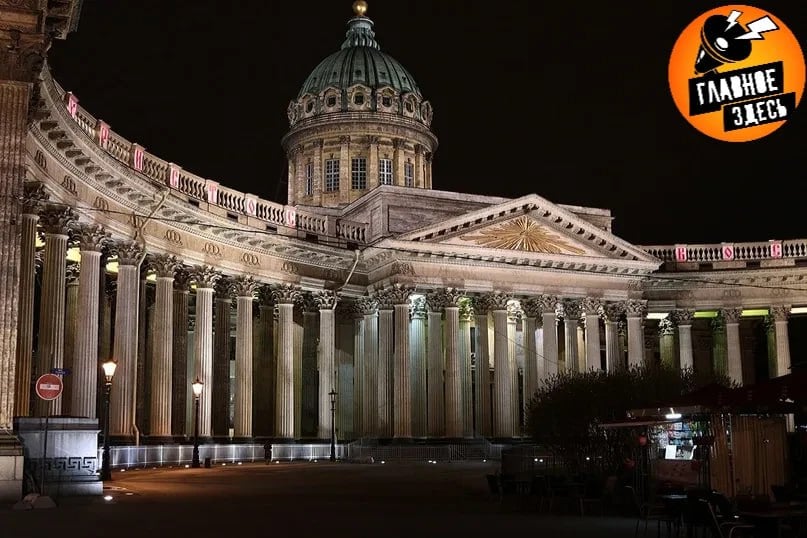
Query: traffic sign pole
point(48, 387)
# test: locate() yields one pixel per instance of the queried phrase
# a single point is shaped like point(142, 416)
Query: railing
point(196, 187)
point(760, 250)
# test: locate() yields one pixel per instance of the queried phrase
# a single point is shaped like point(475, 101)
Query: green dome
point(360, 61)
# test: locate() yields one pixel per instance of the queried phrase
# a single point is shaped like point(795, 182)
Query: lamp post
point(197, 387)
point(332, 394)
point(109, 371)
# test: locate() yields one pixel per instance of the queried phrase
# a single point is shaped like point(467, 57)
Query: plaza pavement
point(302, 499)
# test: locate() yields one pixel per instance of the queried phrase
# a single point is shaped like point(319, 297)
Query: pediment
point(527, 225)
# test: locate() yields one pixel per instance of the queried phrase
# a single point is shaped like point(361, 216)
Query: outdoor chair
point(569, 492)
point(494, 486)
point(542, 492)
point(726, 529)
point(597, 493)
point(647, 512)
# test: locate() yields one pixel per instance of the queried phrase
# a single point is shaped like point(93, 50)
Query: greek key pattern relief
point(73, 465)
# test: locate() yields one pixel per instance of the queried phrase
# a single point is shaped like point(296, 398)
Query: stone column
point(398, 162)
point(372, 164)
point(417, 337)
point(326, 300)
point(244, 290)
point(124, 347)
point(419, 173)
point(683, 319)
point(483, 425)
point(358, 368)
point(370, 372)
point(571, 317)
point(514, 313)
point(780, 315)
point(666, 336)
point(733, 350)
point(402, 389)
point(531, 360)
point(162, 365)
point(205, 278)
point(435, 408)
point(308, 363)
point(220, 386)
point(428, 171)
point(719, 363)
point(264, 367)
point(179, 352)
point(467, 410)
point(285, 295)
point(85, 344)
point(70, 321)
point(592, 308)
point(634, 310)
point(502, 374)
point(319, 185)
point(345, 178)
point(386, 338)
point(453, 383)
point(548, 305)
point(34, 196)
point(55, 221)
point(611, 314)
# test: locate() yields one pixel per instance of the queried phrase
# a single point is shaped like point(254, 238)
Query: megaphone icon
point(719, 43)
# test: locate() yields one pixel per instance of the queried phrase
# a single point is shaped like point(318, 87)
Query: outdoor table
point(774, 517)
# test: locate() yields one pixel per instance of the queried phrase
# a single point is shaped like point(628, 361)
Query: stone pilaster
point(666, 336)
point(55, 221)
point(326, 365)
point(124, 388)
point(611, 314)
point(683, 320)
point(179, 352)
point(482, 368)
point(34, 196)
point(780, 315)
point(161, 366)
point(417, 337)
point(571, 317)
point(592, 308)
point(402, 409)
point(435, 407)
point(386, 338)
point(205, 278)
point(453, 373)
point(244, 288)
point(634, 310)
point(85, 345)
point(733, 347)
point(502, 371)
point(466, 371)
point(222, 329)
point(285, 296)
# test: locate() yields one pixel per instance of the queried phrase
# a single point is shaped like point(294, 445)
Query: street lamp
point(332, 394)
point(197, 387)
point(109, 371)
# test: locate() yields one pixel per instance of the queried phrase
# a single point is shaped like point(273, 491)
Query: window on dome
point(358, 167)
point(309, 179)
point(385, 171)
point(409, 174)
point(386, 101)
point(331, 101)
point(358, 99)
point(332, 175)
point(410, 107)
point(309, 106)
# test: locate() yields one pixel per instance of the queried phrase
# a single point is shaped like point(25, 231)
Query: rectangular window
point(332, 175)
point(409, 174)
point(309, 179)
point(358, 168)
point(385, 171)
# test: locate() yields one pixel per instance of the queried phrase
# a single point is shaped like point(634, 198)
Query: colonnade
point(440, 364)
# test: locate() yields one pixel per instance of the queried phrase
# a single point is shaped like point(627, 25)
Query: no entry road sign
point(49, 386)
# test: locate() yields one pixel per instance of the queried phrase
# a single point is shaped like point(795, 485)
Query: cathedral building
point(430, 314)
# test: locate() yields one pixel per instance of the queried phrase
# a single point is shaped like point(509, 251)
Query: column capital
point(182, 279)
point(495, 301)
point(286, 293)
point(635, 308)
point(223, 288)
point(547, 303)
point(91, 237)
point(666, 327)
point(204, 276)
point(514, 311)
point(265, 296)
point(399, 294)
point(72, 271)
point(307, 303)
point(682, 316)
point(571, 309)
point(128, 252)
point(366, 306)
point(531, 307)
point(731, 315)
point(466, 309)
point(325, 299)
point(56, 219)
point(245, 286)
point(780, 312)
point(398, 143)
point(418, 307)
point(372, 140)
point(452, 297)
point(34, 197)
point(384, 299)
point(344, 139)
point(165, 265)
point(591, 306)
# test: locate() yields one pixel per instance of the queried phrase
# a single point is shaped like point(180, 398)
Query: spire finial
point(360, 8)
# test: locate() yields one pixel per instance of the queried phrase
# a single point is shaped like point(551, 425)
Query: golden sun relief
point(522, 233)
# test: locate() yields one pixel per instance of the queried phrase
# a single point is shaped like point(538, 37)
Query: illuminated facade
point(432, 314)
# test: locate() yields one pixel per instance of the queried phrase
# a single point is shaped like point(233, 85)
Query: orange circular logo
point(736, 73)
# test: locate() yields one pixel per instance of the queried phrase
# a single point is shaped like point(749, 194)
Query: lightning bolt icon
point(732, 19)
point(758, 27)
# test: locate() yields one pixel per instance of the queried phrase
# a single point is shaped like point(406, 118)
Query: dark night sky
point(567, 100)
